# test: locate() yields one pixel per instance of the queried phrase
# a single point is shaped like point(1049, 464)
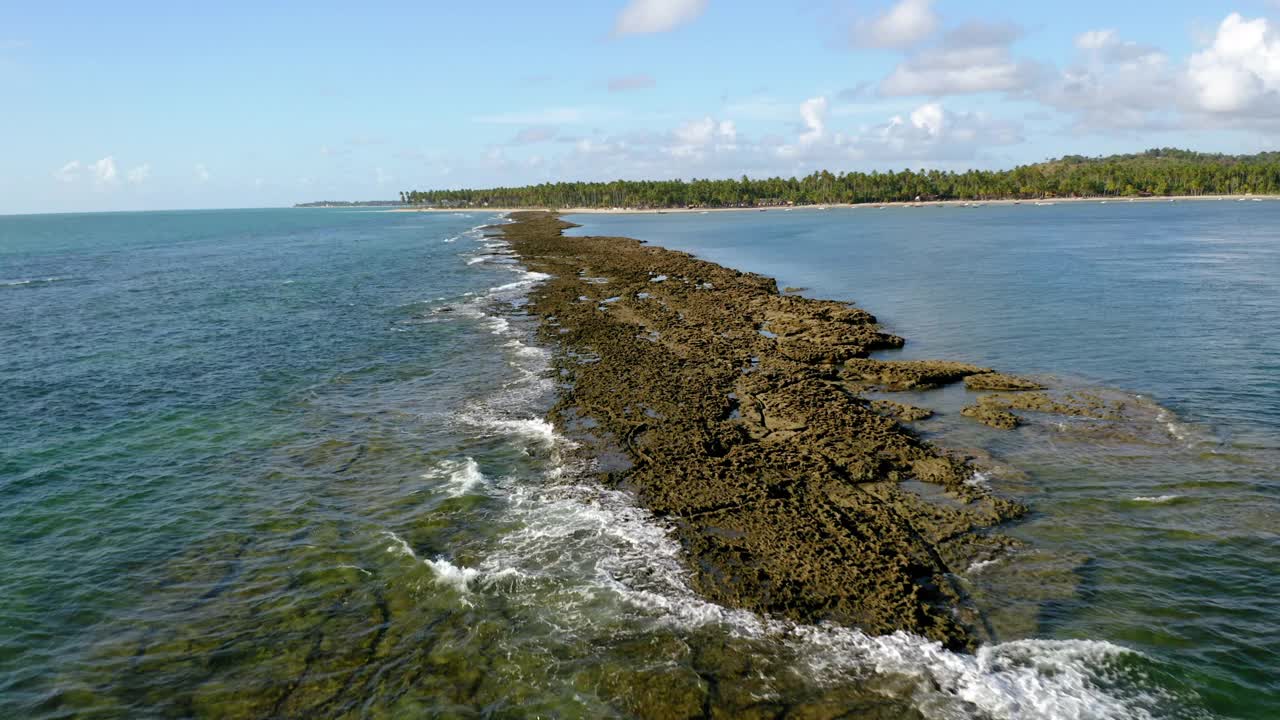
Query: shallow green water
point(291, 463)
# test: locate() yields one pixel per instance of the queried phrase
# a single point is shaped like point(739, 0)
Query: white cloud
point(933, 132)
point(903, 25)
point(813, 131)
point(929, 133)
point(654, 16)
point(68, 173)
point(201, 173)
point(1107, 45)
point(1114, 84)
point(104, 171)
point(813, 112)
point(1095, 39)
point(710, 146)
point(698, 137)
point(139, 175)
point(1239, 74)
point(972, 58)
point(728, 131)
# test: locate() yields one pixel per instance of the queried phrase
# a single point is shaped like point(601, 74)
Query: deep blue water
point(292, 463)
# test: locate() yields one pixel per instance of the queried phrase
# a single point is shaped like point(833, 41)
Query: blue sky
point(151, 105)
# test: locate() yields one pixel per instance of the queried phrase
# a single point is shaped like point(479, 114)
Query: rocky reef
point(740, 413)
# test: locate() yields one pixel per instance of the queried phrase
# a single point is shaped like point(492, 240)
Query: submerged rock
point(994, 410)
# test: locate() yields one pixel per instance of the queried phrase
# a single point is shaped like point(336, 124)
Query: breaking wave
point(460, 477)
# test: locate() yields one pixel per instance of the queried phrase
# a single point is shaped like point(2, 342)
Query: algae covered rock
point(910, 374)
point(1000, 382)
point(780, 482)
point(901, 411)
point(991, 414)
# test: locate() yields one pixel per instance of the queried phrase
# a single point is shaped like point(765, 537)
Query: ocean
point(293, 463)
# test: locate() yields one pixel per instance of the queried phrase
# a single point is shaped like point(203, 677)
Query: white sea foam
point(1175, 428)
point(1019, 679)
point(476, 260)
point(497, 325)
point(517, 285)
point(446, 573)
point(979, 565)
point(458, 578)
point(31, 281)
point(527, 279)
point(536, 429)
point(979, 479)
point(599, 535)
point(1159, 499)
point(527, 351)
point(460, 477)
point(399, 546)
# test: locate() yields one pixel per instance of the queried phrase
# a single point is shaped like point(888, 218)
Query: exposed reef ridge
point(739, 411)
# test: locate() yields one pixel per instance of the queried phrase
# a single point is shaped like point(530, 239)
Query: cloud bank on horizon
point(696, 88)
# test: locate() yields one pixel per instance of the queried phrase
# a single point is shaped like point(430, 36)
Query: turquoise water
point(288, 463)
point(1173, 307)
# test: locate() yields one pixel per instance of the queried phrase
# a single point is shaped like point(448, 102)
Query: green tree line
point(1157, 172)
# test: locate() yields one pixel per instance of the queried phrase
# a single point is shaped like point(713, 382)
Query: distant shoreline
point(849, 206)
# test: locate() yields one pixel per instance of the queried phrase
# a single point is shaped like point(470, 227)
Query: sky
point(157, 105)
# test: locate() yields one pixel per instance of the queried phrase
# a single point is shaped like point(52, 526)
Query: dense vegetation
point(1154, 172)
